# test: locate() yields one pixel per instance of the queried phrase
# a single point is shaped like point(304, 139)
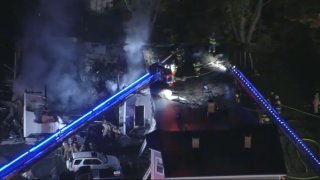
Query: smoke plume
point(51, 58)
point(137, 31)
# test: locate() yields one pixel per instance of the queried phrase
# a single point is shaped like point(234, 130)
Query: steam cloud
point(111, 86)
point(52, 59)
point(137, 31)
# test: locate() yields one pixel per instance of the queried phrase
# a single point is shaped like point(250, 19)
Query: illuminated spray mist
point(215, 63)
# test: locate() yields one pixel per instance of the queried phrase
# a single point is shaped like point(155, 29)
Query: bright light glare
point(219, 66)
point(173, 68)
point(216, 64)
point(167, 94)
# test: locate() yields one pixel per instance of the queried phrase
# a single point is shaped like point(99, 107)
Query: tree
point(155, 5)
point(243, 17)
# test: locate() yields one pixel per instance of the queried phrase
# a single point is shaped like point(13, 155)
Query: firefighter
point(91, 147)
point(271, 98)
point(66, 150)
point(29, 174)
point(197, 67)
point(237, 96)
point(173, 68)
point(106, 131)
point(263, 117)
point(212, 44)
point(277, 103)
point(74, 147)
point(179, 56)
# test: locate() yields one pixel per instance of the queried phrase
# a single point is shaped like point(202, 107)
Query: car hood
point(113, 161)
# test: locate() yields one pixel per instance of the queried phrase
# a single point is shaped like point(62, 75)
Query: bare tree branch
point(234, 26)
point(267, 2)
point(156, 14)
point(128, 6)
point(242, 25)
point(256, 17)
point(251, 60)
point(242, 30)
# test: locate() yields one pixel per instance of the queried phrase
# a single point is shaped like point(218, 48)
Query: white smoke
point(111, 86)
point(51, 58)
point(137, 31)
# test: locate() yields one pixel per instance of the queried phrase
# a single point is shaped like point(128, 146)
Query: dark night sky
point(10, 19)
point(9, 28)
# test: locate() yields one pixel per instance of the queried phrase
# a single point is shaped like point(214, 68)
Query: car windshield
point(103, 158)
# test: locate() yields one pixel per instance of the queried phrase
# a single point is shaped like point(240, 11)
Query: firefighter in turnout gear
point(277, 104)
point(179, 52)
point(197, 67)
point(212, 44)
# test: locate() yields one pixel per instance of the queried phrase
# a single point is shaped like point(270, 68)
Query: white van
point(93, 160)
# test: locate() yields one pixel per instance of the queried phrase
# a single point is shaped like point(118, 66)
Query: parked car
point(93, 161)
